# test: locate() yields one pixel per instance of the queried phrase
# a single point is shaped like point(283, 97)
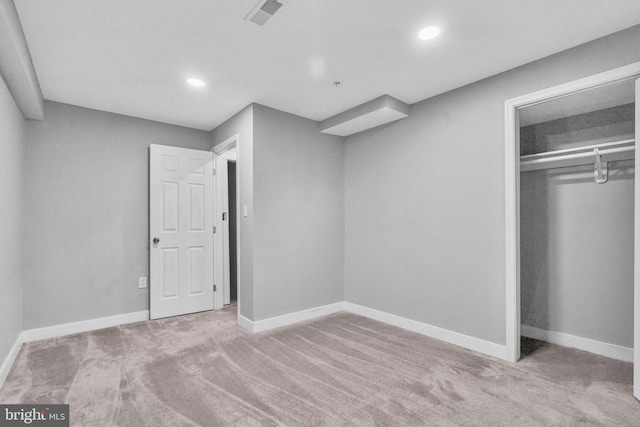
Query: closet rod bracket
point(600, 170)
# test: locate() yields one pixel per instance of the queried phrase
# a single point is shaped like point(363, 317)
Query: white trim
point(471, 343)
point(605, 78)
point(10, 359)
point(233, 142)
point(597, 347)
point(221, 236)
point(66, 329)
point(222, 254)
point(512, 187)
point(245, 323)
point(289, 319)
point(226, 145)
point(636, 257)
point(239, 184)
point(512, 243)
point(83, 326)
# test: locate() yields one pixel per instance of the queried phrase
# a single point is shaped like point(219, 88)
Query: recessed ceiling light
point(195, 82)
point(429, 33)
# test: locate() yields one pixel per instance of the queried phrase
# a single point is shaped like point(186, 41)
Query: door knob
point(156, 240)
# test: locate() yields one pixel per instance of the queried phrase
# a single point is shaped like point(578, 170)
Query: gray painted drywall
point(12, 149)
point(424, 212)
point(576, 236)
point(291, 177)
point(87, 212)
point(299, 214)
point(241, 124)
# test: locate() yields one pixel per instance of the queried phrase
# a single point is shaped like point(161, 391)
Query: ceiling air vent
point(264, 10)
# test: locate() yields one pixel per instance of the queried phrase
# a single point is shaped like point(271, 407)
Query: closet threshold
point(608, 152)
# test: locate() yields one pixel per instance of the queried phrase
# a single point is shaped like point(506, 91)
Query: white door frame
point(512, 201)
point(218, 150)
point(636, 259)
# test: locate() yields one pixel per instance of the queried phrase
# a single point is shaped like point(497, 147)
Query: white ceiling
point(133, 56)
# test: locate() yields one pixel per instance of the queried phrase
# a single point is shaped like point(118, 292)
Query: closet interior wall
point(576, 235)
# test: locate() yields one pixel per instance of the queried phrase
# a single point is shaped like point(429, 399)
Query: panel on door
point(181, 231)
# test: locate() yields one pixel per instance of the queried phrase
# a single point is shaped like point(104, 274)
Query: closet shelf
point(608, 152)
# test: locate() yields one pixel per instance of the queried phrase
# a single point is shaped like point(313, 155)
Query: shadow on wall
point(534, 250)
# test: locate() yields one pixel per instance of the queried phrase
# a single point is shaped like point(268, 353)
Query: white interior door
point(181, 231)
point(636, 268)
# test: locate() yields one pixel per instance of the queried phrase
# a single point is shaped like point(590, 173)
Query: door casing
point(222, 153)
point(512, 202)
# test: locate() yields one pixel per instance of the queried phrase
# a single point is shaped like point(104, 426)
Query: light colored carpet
point(340, 370)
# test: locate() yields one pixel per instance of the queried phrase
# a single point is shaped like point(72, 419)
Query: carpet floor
point(339, 370)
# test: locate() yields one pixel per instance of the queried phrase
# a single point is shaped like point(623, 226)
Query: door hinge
point(214, 230)
point(215, 288)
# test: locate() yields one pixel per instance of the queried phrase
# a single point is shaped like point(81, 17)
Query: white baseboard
point(66, 329)
point(289, 319)
point(8, 361)
point(245, 323)
point(598, 347)
point(471, 343)
point(83, 326)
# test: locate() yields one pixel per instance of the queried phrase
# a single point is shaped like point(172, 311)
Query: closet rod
point(609, 152)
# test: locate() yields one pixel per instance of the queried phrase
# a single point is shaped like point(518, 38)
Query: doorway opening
point(227, 234)
point(233, 235)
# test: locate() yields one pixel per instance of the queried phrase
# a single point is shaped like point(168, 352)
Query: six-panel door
point(181, 231)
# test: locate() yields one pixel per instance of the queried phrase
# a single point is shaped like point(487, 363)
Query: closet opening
point(572, 217)
point(577, 221)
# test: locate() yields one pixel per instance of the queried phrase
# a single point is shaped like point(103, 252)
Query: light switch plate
point(142, 282)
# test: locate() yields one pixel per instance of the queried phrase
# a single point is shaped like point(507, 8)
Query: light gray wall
point(241, 124)
point(12, 189)
point(425, 226)
point(87, 212)
point(576, 236)
point(292, 181)
point(299, 214)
